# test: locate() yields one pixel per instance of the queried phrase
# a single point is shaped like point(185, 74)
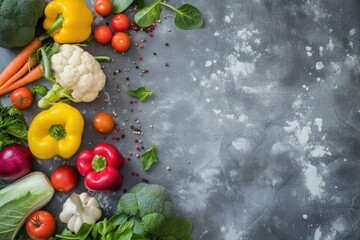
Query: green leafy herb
point(13, 128)
point(148, 14)
point(139, 3)
point(121, 5)
point(188, 17)
point(148, 158)
point(176, 227)
point(39, 89)
point(141, 93)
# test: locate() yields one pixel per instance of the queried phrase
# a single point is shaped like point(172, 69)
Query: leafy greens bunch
point(13, 128)
point(187, 16)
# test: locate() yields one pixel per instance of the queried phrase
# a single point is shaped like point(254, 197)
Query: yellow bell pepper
point(76, 26)
point(56, 131)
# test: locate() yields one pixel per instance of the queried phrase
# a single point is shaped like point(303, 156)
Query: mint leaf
point(176, 228)
point(148, 14)
point(141, 93)
point(148, 158)
point(121, 5)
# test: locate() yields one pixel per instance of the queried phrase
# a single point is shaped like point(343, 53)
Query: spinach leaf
point(141, 93)
point(188, 17)
point(148, 14)
point(139, 3)
point(175, 228)
point(148, 158)
point(121, 5)
point(118, 219)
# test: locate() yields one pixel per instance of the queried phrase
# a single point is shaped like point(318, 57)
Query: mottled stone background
point(257, 116)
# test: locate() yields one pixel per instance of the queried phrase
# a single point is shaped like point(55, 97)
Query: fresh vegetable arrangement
point(59, 55)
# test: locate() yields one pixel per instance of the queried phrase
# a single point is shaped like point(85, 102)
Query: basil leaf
point(188, 17)
point(148, 14)
point(176, 228)
point(121, 5)
point(141, 93)
point(148, 158)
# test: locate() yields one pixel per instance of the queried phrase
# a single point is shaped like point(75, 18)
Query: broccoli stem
point(56, 94)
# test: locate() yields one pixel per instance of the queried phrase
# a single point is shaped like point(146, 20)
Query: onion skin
point(15, 161)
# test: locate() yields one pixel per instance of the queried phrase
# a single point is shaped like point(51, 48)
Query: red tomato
point(103, 122)
point(22, 98)
point(64, 178)
point(120, 42)
point(120, 22)
point(103, 34)
point(103, 7)
point(40, 225)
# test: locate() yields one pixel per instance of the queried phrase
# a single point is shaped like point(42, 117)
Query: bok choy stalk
point(19, 199)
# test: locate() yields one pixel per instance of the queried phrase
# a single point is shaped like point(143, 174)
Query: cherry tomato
point(22, 98)
point(103, 122)
point(103, 7)
point(120, 42)
point(64, 178)
point(120, 22)
point(103, 34)
point(40, 225)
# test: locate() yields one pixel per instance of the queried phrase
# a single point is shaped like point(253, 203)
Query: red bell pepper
point(101, 167)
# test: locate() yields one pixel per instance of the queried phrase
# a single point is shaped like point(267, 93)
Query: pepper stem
point(57, 24)
point(98, 163)
point(57, 131)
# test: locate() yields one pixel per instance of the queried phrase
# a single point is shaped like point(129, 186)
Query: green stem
point(57, 131)
point(169, 6)
point(58, 23)
point(45, 62)
point(102, 58)
point(98, 163)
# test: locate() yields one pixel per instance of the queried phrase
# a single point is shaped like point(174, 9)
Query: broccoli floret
point(18, 21)
point(150, 202)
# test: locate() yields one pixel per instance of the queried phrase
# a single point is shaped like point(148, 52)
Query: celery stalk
point(21, 198)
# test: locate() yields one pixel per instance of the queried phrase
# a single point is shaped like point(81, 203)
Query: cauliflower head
point(79, 71)
point(150, 202)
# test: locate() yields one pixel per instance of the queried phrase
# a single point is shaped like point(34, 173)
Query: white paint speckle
point(242, 144)
point(319, 123)
point(313, 181)
point(330, 45)
point(308, 51)
point(319, 66)
point(227, 19)
point(317, 234)
point(208, 63)
point(352, 32)
point(305, 216)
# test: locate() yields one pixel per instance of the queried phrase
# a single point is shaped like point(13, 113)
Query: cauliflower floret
point(77, 77)
point(79, 71)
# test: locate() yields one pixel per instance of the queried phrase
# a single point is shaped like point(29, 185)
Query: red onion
point(15, 161)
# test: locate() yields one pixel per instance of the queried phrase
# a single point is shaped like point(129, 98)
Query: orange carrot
point(32, 76)
point(25, 68)
point(21, 58)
